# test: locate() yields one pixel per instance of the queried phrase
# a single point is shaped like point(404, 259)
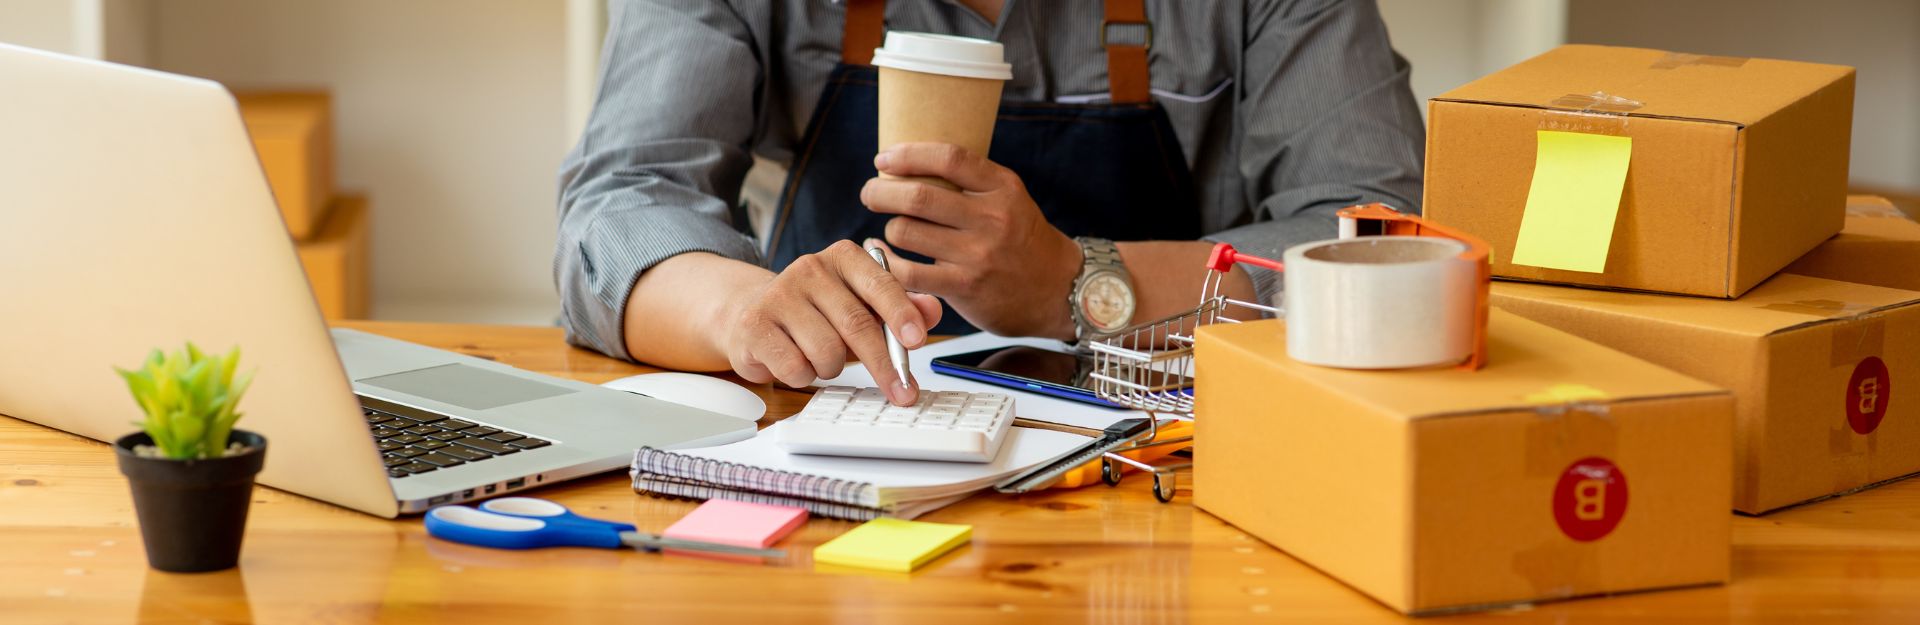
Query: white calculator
point(943, 425)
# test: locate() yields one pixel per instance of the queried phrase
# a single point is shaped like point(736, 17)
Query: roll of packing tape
point(1379, 302)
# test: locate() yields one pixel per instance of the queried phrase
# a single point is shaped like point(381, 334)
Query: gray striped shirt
point(1286, 111)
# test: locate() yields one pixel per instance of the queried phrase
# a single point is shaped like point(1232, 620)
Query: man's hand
point(996, 259)
point(800, 324)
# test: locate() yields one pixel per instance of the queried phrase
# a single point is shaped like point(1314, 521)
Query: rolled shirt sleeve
point(666, 141)
point(1327, 120)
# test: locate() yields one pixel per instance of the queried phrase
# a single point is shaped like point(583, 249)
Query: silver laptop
point(134, 215)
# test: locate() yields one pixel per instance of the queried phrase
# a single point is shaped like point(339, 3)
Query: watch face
point(1106, 301)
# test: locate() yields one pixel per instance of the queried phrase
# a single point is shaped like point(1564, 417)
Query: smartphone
point(1044, 371)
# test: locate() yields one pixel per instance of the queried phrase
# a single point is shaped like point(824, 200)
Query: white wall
point(451, 114)
point(1452, 42)
point(1881, 38)
point(44, 24)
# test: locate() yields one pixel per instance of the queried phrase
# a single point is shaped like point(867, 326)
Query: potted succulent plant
point(191, 472)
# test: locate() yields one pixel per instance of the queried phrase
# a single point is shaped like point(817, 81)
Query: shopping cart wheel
point(1164, 486)
point(1110, 472)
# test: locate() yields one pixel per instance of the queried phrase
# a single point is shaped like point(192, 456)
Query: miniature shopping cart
point(1149, 367)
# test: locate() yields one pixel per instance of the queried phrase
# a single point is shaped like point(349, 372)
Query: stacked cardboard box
point(292, 132)
point(1561, 469)
point(1879, 245)
point(1738, 170)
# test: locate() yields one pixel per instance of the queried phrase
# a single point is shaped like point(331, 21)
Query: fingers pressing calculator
point(943, 425)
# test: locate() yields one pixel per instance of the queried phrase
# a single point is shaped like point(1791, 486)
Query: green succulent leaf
point(190, 399)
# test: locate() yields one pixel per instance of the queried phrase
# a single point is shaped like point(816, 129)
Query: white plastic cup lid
point(943, 54)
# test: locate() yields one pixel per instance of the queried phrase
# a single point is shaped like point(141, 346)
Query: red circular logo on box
point(1867, 395)
point(1590, 499)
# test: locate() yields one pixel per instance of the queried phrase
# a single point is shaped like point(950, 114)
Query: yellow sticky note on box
point(1574, 199)
point(892, 544)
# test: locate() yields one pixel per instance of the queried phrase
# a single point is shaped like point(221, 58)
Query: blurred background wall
point(452, 115)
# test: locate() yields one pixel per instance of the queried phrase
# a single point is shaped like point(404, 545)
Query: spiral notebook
point(758, 470)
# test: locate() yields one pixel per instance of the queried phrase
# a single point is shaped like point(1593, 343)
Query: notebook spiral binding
point(657, 472)
point(668, 487)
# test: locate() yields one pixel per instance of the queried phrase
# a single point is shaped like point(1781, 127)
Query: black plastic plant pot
point(193, 513)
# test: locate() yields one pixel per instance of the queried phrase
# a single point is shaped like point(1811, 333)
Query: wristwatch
point(1102, 297)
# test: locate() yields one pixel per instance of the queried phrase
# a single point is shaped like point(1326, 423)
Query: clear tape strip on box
point(1593, 113)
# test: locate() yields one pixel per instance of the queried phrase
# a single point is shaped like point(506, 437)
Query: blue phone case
point(1078, 394)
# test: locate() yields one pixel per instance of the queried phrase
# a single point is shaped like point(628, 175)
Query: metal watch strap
point(1096, 254)
point(1099, 252)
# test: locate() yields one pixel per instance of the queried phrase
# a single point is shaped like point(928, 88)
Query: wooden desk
point(69, 552)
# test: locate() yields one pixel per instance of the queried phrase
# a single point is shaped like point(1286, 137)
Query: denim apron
point(1111, 170)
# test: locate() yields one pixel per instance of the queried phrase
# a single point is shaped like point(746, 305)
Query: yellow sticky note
point(892, 544)
point(1575, 197)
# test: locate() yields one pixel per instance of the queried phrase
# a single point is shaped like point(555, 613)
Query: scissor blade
point(653, 541)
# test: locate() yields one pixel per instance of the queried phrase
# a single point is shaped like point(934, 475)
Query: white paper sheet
point(1027, 404)
point(902, 480)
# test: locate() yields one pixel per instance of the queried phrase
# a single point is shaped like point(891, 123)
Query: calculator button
point(859, 418)
point(945, 411)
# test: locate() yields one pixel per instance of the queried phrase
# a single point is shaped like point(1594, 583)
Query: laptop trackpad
point(466, 386)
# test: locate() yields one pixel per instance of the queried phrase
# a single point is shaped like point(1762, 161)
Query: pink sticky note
point(736, 523)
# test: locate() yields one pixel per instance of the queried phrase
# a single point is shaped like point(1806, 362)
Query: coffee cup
point(939, 88)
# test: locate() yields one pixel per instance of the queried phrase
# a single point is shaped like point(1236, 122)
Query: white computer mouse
point(699, 391)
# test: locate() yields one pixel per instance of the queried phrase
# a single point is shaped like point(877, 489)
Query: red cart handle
point(1224, 257)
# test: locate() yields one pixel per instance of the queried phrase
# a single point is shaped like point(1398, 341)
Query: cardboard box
point(1816, 367)
point(1879, 245)
point(1562, 469)
point(293, 134)
point(1738, 165)
point(336, 260)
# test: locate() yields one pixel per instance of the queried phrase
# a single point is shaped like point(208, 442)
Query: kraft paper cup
point(939, 88)
point(1382, 302)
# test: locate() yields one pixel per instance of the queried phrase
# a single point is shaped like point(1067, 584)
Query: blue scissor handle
point(535, 508)
point(462, 524)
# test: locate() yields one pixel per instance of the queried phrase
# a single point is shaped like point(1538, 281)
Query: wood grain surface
point(69, 552)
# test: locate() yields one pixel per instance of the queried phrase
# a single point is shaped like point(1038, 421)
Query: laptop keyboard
point(417, 443)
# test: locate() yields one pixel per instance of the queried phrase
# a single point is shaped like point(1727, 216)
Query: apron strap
point(865, 26)
point(1128, 81)
point(1127, 77)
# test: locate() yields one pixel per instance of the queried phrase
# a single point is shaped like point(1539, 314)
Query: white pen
point(895, 350)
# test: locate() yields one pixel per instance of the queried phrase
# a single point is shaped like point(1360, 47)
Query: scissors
point(529, 523)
